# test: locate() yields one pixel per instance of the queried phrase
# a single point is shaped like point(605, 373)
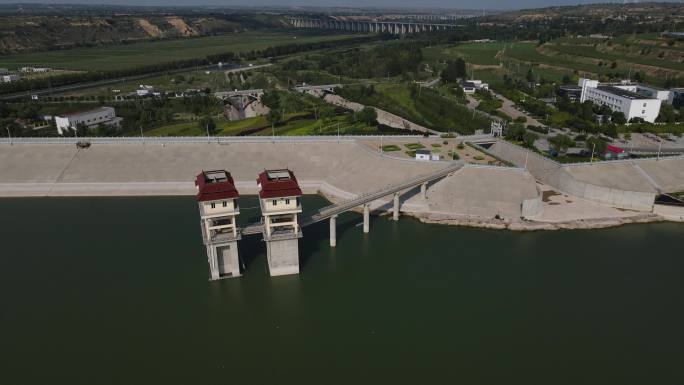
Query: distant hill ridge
point(19, 34)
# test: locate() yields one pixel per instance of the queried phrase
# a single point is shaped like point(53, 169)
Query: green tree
point(515, 132)
point(529, 138)
point(273, 117)
point(327, 113)
point(618, 117)
point(561, 143)
point(667, 114)
point(597, 145)
point(367, 115)
point(455, 69)
point(207, 124)
point(271, 99)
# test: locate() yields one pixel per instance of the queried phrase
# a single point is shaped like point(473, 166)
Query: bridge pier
point(395, 210)
point(366, 218)
point(333, 231)
point(423, 190)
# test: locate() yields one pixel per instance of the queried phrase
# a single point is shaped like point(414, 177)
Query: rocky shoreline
point(516, 225)
point(530, 225)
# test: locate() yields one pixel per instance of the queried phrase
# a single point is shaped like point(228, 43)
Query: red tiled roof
point(211, 188)
point(615, 150)
point(280, 187)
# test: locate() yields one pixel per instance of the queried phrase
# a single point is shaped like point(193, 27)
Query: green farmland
point(474, 53)
point(147, 53)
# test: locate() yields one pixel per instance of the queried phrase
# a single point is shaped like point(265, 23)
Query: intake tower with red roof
point(279, 195)
point(217, 198)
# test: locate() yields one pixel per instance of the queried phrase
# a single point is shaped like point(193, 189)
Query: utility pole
point(141, 134)
point(207, 133)
point(9, 135)
point(593, 147)
point(660, 144)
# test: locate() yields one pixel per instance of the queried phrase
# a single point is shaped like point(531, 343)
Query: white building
point(92, 118)
point(9, 78)
point(423, 155)
point(35, 69)
point(621, 97)
point(4, 71)
point(470, 86)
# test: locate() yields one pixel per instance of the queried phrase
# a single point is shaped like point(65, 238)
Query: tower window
point(225, 204)
point(275, 202)
point(287, 201)
point(213, 205)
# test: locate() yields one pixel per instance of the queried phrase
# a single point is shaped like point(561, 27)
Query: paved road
point(509, 109)
point(384, 117)
point(472, 102)
point(99, 83)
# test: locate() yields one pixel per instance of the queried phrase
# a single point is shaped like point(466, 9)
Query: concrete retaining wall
point(532, 208)
point(556, 175)
point(672, 213)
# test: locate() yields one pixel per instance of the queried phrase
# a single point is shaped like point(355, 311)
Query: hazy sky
point(464, 4)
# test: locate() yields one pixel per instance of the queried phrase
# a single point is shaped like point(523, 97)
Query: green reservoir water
point(116, 291)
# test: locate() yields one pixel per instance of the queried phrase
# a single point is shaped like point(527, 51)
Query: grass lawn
point(474, 53)
point(145, 53)
point(390, 147)
point(527, 52)
point(414, 146)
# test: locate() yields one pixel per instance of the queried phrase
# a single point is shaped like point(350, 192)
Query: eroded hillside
point(39, 33)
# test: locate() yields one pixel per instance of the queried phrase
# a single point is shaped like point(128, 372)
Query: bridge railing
point(195, 139)
point(341, 207)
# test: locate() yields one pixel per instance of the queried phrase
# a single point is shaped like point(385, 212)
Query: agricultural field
point(473, 53)
point(139, 54)
point(655, 58)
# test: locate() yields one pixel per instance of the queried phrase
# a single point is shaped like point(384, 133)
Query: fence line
point(210, 139)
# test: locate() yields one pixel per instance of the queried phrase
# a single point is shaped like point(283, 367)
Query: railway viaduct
point(392, 27)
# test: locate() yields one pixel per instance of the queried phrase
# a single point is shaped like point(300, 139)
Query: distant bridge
point(330, 88)
point(392, 27)
point(331, 212)
point(256, 93)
